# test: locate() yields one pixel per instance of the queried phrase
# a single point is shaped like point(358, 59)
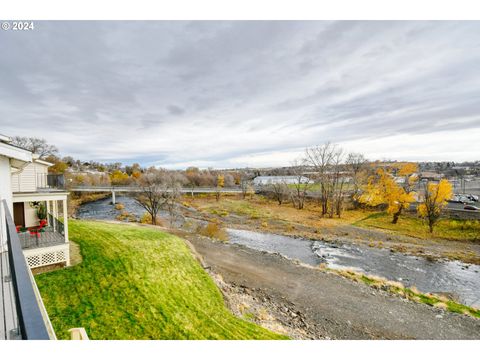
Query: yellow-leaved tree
point(434, 201)
point(220, 184)
point(383, 189)
point(118, 177)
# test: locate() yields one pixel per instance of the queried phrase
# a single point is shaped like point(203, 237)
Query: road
point(337, 307)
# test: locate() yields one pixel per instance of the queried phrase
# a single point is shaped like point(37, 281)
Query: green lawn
point(416, 227)
point(138, 283)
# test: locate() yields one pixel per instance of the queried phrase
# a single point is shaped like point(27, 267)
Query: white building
point(266, 180)
point(39, 211)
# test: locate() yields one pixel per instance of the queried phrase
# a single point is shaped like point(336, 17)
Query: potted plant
point(41, 211)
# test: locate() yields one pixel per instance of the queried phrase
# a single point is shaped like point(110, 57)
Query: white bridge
point(132, 189)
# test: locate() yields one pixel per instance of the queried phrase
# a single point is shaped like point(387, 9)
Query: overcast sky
point(234, 94)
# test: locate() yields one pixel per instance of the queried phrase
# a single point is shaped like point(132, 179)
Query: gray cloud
point(244, 92)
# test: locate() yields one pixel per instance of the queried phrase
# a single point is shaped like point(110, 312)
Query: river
point(452, 277)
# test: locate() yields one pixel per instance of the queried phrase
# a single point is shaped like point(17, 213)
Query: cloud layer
point(232, 94)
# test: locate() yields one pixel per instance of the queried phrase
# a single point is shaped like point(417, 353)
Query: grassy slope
point(138, 283)
point(413, 226)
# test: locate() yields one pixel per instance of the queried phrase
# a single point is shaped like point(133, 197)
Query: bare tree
point(328, 161)
point(35, 145)
point(194, 178)
point(152, 194)
point(246, 185)
point(172, 185)
point(320, 158)
point(301, 185)
point(160, 189)
point(338, 180)
point(279, 191)
point(356, 166)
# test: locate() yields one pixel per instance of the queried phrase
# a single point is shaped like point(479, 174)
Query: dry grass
point(263, 209)
point(412, 293)
point(213, 230)
point(464, 230)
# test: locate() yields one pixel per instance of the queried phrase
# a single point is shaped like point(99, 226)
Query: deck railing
point(28, 319)
point(51, 234)
point(50, 181)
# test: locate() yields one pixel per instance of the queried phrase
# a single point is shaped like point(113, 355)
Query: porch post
point(65, 228)
point(55, 215)
point(48, 209)
point(65, 219)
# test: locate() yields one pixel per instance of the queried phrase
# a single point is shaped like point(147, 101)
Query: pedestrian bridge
point(133, 189)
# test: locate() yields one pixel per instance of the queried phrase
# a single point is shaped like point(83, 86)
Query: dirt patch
point(47, 268)
point(326, 305)
point(255, 305)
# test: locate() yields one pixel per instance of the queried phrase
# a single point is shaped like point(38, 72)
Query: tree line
point(334, 178)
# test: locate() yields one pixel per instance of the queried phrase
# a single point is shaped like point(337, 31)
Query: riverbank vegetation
point(451, 239)
point(411, 293)
point(449, 229)
point(138, 283)
point(261, 209)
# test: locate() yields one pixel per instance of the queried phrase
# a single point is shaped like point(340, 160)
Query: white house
point(36, 235)
point(266, 180)
point(39, 210)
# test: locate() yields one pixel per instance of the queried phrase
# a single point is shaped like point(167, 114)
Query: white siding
point(41, 175)
point(26, 181)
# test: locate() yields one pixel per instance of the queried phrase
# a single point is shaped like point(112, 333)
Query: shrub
point(147, 219)
point(119, 206)
point(126, 216)
point(213, 230)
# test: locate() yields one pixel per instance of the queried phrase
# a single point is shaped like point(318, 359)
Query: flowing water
point(451, 277)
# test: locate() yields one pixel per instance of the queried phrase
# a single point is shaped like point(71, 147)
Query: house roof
point(14, 152)
point(40, 161)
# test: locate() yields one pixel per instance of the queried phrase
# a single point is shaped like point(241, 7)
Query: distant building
point(430, 176)
point(266, 180)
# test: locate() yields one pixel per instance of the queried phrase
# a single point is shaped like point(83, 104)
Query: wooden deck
point(48, 238)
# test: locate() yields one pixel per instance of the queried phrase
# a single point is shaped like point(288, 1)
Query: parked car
point(472, 197)
point(471, 207)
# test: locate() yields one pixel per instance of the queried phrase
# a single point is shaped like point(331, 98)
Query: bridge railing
point(127, 188)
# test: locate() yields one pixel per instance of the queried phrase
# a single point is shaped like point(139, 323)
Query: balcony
point(48, 182)
point(41, 223)
point(50, 234)
point(22, 314)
